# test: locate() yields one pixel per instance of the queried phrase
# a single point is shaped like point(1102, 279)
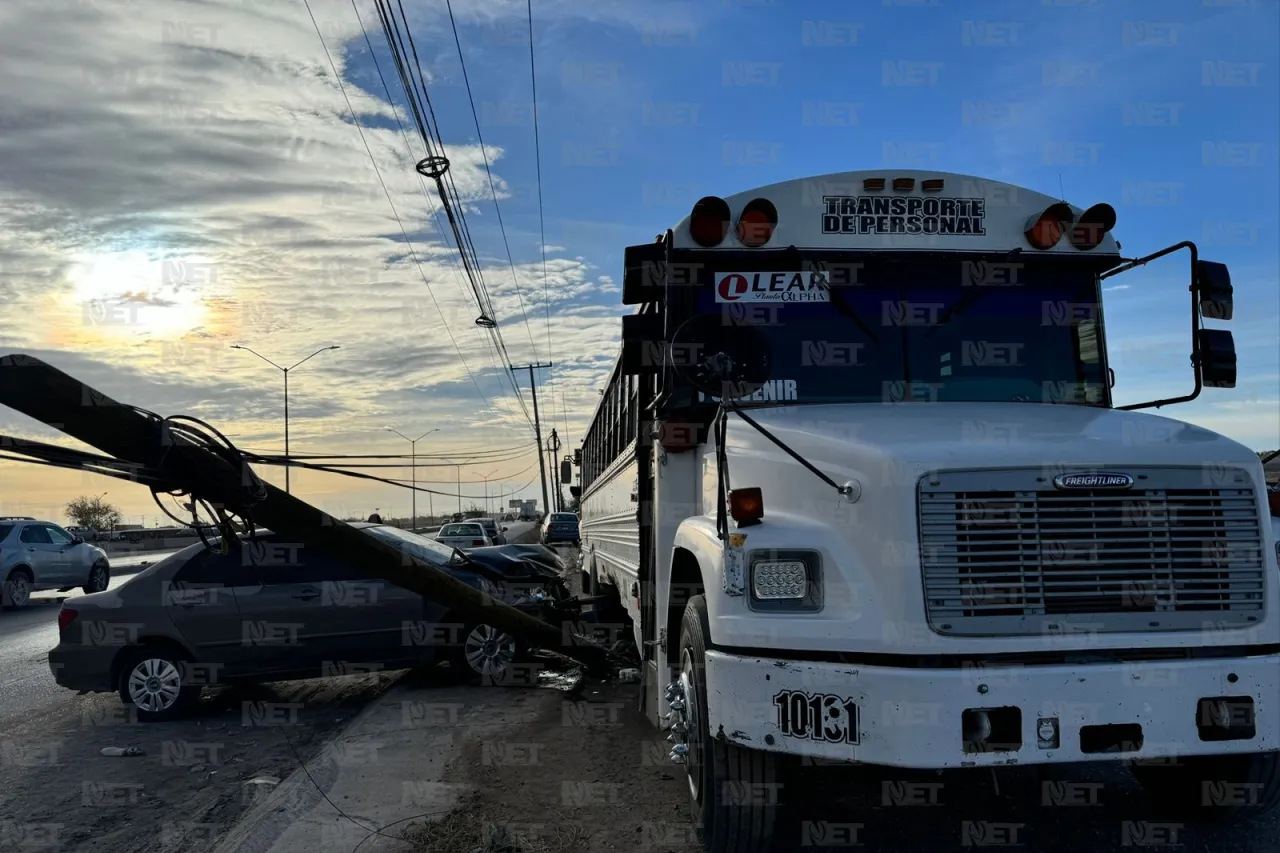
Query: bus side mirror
point(1213, 288)
point(1216, 358)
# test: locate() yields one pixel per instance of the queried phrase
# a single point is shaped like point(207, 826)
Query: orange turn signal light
point(746, 506)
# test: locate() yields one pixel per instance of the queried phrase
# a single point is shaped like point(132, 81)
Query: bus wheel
point(734, 792)
point(1215, 788)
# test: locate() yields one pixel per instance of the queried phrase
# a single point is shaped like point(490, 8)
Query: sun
point(131, 293)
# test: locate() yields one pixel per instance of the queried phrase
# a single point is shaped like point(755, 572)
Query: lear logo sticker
point(1100, 480)
point(816, 716)
point(843, 214)
point(771, 287)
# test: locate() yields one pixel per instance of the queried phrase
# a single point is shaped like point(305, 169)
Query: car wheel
point(151, 681)
point(486, 653)
point(99, 577)
point(16, 591)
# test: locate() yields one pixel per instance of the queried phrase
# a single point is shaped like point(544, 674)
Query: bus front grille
point(1172, 553)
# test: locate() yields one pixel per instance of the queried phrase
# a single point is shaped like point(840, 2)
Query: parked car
point(467, 534)
point(255, 616)
point(492, 530)
point(560, 527)
point(37, 555)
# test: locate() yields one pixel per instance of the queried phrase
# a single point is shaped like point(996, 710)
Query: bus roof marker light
point(1044, 230)
point(872, 184)
point(904, 185)
point(709, 221)
point(1092, 226)
point(756, 223)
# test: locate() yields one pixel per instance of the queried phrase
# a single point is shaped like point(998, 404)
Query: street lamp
point(413, 455)
point(285, 371)
point(486, 490)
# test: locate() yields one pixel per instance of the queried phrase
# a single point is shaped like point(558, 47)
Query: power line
point(440, 169)
point(542, 225)
point(492, 189)
point(431, 208)
point(373, 161)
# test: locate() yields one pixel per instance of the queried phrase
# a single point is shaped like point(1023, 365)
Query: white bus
point(859, 483)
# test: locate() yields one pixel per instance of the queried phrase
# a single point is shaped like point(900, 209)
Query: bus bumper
point(917, 718)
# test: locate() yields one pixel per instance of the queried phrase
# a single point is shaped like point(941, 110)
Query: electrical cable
point(421, 183)
point(394, 212)
point(542, 225)
point(493, 191)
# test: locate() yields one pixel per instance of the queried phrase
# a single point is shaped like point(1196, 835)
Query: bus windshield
point(930, 332)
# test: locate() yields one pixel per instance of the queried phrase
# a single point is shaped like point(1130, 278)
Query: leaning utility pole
point(537, 427)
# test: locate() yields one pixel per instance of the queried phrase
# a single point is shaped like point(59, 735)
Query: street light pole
point(285, 371)
point(413, 456)
point(486, 490)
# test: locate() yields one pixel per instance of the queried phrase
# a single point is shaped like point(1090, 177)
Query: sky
point(178, 177)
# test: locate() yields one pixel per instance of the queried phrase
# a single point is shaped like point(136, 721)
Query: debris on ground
point(265, 781)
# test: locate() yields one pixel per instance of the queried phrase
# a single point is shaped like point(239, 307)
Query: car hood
point(517, 561)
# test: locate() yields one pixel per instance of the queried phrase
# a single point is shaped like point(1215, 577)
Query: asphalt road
point(192, 781)
point(27, 635)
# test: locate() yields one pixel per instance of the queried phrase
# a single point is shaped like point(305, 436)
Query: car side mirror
point(1216, 354)
point(505, 529)
point(77, 540)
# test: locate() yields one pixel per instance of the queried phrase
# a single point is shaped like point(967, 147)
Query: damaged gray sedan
point(281, 611)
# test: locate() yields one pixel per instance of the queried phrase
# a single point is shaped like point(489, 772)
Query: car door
point(74, 558)
point(313, 614)
point(42, 556)
point(202, 604)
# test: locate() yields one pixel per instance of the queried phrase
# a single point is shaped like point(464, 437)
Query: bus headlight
point(786, 580)
point(776, 580)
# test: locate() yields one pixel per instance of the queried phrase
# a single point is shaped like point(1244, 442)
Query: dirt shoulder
point(57, 791)
point(586, 774)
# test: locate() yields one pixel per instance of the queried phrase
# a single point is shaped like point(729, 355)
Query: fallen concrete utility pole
point(142, 438)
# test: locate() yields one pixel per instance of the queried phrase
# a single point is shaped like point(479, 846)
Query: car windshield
point(462, 530)
point(935, 332)
point(418, 546)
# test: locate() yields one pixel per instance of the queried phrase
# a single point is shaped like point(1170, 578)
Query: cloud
point(189, 177)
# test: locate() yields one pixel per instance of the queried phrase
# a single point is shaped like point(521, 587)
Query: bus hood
point(905, 440)
point(872, 573)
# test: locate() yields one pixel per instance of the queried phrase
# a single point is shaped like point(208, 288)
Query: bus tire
point(1252, 780)
point(726, 781)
